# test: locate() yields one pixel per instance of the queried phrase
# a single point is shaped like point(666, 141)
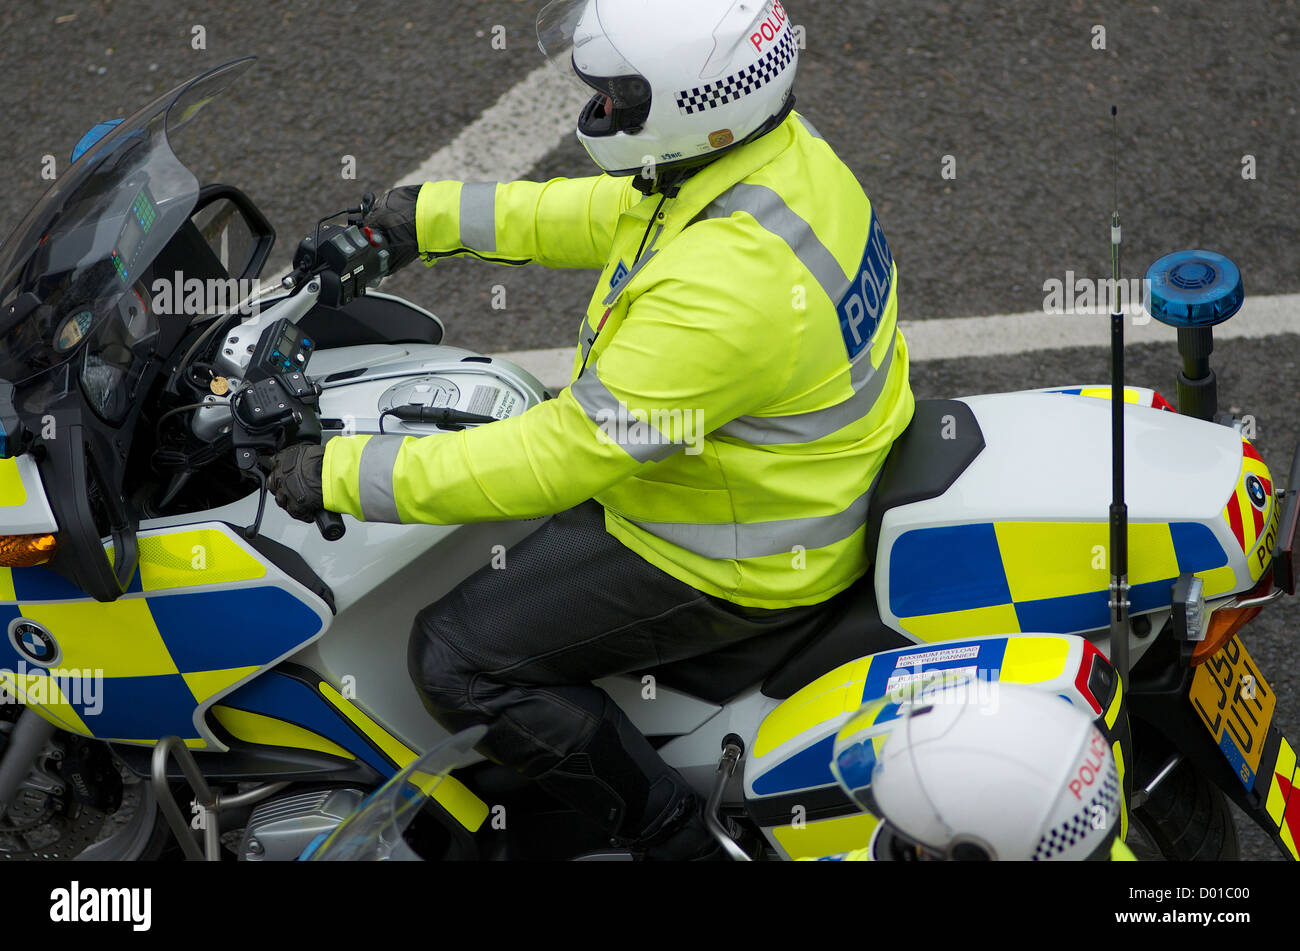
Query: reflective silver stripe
point(812, 129)
point(810, 427)
point(586, 337)
point(478, 222)
point(770, 210)
point(758, 539)
point(378, 504)
point(639, 440)
point(649, 253)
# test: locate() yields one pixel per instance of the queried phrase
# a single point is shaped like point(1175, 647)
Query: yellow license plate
point(1236, 706)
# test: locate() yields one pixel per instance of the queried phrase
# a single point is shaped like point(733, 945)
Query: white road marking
point(519, 130)
point(953, 338)
point(522, 128)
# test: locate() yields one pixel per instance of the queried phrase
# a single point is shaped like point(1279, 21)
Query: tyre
point(1186, 819)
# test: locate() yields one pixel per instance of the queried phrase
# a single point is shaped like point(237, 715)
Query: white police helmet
point(1003, 772)
point(677, 82)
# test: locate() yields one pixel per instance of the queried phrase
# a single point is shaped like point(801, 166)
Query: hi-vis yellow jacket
point(736, 386)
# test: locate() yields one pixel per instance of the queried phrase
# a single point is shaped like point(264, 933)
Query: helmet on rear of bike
point(678, 82)
point(981, 771)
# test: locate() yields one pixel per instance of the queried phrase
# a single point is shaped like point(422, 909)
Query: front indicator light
point(26, 551)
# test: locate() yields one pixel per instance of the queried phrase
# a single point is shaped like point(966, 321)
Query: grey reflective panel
point(378, 504)
point(809, 427)
point(812, 129)
point(638, 439)
point(586, 338)
point(770, 210)
point(759, 539)
point(478, 210)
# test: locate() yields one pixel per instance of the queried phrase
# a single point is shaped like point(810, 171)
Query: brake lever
point(252, 530)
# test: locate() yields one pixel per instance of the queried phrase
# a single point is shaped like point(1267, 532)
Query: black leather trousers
point(517, 647)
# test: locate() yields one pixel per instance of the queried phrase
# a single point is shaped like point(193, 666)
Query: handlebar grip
point(330, 524)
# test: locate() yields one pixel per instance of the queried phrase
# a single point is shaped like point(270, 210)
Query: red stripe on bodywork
point(1085, 671)
point(1250, 451)
point(1292, 814)
point(1259, 520)
point(1234, 520)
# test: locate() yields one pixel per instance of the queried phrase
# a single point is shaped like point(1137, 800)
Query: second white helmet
point(1000, 772)
point(677, 82)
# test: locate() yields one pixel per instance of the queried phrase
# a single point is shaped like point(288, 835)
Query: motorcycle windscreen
point(82, 248)
point(374, 833)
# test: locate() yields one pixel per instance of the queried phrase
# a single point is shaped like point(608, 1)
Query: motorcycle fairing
point(279, 709)
point(204, 613)
point(24, 509)
point(294, 706)
point(789, 788)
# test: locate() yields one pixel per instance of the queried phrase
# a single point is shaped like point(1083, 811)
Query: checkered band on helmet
point(749, 79)
point(1078, 827)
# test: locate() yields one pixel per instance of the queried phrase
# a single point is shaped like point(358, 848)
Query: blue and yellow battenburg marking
point(793, 749)
point(1008, 577)
point(1137, 395)
point(203, 613)
point(277, 709)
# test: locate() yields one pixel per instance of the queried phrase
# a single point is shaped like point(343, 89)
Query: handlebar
point(330, 525)
point(347, 258)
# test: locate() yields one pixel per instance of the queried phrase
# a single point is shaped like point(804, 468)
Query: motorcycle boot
point(618, 781)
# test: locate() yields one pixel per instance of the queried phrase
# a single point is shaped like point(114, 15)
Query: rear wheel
point(1186, 819)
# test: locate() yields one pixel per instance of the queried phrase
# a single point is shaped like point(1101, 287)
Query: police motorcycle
point(184, 662)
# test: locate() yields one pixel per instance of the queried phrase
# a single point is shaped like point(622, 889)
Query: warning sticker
point(939, 656)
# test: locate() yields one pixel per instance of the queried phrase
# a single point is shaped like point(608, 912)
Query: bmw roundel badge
point(1255, 489)
point(34, 642)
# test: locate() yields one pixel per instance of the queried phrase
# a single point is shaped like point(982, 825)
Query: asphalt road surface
point(1017, 95)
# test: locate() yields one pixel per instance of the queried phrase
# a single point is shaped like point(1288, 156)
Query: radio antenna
point(1119, 588)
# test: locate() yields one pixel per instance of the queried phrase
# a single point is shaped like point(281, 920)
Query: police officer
point(738, 382)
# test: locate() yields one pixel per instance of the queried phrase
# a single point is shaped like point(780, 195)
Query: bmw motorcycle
point(185, 666)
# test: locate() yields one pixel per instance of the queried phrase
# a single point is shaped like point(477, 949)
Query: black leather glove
point(394, 217)
point(295, 480)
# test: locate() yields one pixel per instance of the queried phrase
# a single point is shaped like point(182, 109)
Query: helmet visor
point(556, 26)
point(564, 23)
